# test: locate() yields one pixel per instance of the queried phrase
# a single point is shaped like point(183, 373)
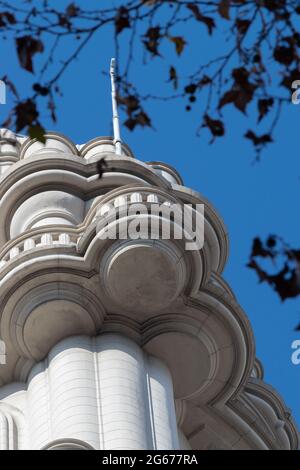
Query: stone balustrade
point(126, 197)
point(36, 240)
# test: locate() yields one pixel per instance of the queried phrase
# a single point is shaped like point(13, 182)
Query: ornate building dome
point(119, 343)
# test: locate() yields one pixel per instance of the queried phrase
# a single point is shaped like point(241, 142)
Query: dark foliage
point(285, 261)
point(150, 24)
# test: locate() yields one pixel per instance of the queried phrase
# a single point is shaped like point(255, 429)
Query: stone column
point(104, 392)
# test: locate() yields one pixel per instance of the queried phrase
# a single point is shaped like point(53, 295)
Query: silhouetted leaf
point(152, 40)
point(274, 5)
point(141, 119)
point(41, 90)
point(179, 42)
point(215, 126)
point(130, 102)
point(27, 47)
point(191, 88)
point(130, 123)
point(7, 18)
point(290, 77)
point(271, 241)
point(242, 25)
point(238, 96)
point(242, 91)
point(258, 249)
point(264, 105)
point(223, 9)
point(241, 76)
point(209, 22)
point(258, 141)
point(228, 97)
point(25, 114)
point(286, 282)
point(72, 10)
point(284, 54)
point(36, 131)
point(64, 21)
point(122, 20)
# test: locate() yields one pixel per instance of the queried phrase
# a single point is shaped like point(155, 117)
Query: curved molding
point(258, 370)
point(55, 142)
point(279, 422)
point(189, 196)
point(68, 444)
point(99, 145)
point(167, 172)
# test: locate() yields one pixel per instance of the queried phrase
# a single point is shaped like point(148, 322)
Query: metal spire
point(116, 121)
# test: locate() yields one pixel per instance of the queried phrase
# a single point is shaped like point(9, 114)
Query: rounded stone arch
point(48, 306)
point(41, 302)
point(68, 444)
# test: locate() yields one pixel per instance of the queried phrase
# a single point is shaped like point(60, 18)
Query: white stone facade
point(119, 344)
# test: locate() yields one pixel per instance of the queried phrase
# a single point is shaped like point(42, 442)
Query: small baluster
point(152, 198)
point(136, 197)
point(46, 239)
point(64, 239)
point(120, 201)
point(29, 244)
point(14, 252)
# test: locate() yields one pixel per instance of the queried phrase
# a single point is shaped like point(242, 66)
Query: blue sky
point(253, 199)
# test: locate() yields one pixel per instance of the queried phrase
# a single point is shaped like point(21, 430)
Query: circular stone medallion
point(143, 274)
